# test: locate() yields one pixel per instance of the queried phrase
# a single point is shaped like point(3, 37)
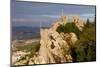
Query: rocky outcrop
point(70, 38)
point(52, 47)
point(17, 58)
point(55, 47)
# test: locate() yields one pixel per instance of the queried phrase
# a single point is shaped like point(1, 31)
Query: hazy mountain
point(25, 32)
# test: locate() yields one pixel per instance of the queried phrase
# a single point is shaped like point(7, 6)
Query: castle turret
point(75, 19)
point(78, 23)
point(63, 20)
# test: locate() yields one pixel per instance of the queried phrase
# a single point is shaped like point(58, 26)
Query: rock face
point(17, 56)
point(71, 37)
point(54, 26)
point(52, 47)
point(55, 47)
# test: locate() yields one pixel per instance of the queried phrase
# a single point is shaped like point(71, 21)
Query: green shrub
point(86, 51)
point(85, 47)
point(29, 47)
point(69, 27)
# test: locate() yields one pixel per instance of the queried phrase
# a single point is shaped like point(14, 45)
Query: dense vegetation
point(69, 27)
point(85, 48)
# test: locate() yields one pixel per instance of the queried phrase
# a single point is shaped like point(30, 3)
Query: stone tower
point(78, 23)
point(63, 18)
point(75, 19)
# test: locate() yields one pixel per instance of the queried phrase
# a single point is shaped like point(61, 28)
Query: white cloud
point(88, 15)
point(51, 16)
point(28, 20)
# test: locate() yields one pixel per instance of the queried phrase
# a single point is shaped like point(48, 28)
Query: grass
point(34, 46)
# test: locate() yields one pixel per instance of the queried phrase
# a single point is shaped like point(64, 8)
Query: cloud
point(28, 20)
point(36, 18)
point(31, 21)
point(51, 16)
point(88, 15)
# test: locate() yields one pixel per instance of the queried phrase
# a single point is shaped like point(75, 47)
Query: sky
point(25, 13)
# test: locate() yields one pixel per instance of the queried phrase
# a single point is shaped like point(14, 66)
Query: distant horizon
point(33, 13)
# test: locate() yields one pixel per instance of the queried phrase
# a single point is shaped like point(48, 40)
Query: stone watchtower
point(75, 19)
point(63, 19)
point(78, 23)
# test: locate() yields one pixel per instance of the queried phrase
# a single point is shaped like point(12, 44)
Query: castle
point(52, 43)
